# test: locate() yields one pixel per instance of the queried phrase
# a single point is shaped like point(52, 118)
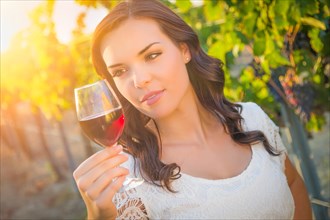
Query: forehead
point(131, 36)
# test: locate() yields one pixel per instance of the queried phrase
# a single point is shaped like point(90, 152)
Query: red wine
point(104, 129)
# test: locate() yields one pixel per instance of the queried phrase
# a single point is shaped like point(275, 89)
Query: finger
point(107, 195)
point(95, 159)
point(105, 180)
point(91, 176)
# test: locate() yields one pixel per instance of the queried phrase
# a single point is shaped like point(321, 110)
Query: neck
point(189, 124)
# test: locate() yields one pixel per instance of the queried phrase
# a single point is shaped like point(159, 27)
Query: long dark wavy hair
point(205, 74)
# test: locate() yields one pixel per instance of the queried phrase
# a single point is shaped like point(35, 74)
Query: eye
point(152, 56)
point(118, 72)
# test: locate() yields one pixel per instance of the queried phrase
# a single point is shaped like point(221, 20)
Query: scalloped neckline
point(229, 179)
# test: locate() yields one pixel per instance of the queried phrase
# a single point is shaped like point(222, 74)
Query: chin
point(157, 113)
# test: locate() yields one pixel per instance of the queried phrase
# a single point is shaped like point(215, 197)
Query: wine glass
point(101, 118)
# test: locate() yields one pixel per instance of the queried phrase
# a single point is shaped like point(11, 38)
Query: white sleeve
point(256, 119)
point(271, 131)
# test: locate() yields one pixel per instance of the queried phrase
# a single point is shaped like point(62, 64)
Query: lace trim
point(274, 137)
point(129, 205)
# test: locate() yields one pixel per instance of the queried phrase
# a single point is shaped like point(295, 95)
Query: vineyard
point(275, 53)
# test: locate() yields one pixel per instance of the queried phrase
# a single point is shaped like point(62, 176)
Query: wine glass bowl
point(101, 118)
point(99, 113)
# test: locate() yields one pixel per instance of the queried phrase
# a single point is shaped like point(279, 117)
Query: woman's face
point(147, 67)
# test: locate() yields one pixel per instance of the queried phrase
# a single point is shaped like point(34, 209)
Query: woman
point(202, 157)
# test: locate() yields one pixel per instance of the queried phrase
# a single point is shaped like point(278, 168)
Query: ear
point(186, 55)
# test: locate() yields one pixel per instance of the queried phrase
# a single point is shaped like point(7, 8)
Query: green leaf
point(313, 22)
point(214, 10)
point(257, 84)
point(271, 11)
point(183, 5)
point(242, 37)
point(316, 122)
point(266, 77)
point(275, 59)
point(260, 24)
point(297, 56)
point(263, 93)
point(264, 15)
point(246, 7)
point(265, 67)
point(259, 46)
point(229, 58)
point(304, 60)
point(281, 22)
point(281, 7)
point(317, 79)
point(315, 41)
point(311, 6)
point(294, 14)
point(270, 45)
point(217, 50)
point(249, 23)
point(247, 75)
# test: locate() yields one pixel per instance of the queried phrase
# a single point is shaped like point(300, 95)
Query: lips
point(152, 97)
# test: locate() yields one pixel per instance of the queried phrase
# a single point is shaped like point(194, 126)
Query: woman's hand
point(98, 179)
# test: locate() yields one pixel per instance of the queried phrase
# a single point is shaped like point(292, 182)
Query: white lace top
point(259, 192)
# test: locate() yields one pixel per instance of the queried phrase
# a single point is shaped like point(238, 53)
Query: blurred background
point(276, 53)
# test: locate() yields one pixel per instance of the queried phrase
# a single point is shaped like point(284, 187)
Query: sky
point(15, 17)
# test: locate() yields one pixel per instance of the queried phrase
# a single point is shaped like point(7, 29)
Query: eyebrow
point(139, 53)
point(147, 47)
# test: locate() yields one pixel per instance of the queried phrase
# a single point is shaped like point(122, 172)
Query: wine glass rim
point(89, 85)
point(101, 82)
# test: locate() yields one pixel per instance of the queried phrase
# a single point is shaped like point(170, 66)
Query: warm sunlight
point(274, 53)
point(15, 17)
point(43, 31)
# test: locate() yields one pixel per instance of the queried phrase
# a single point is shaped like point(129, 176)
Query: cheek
point(122, 88)
point(172, 67)
point(125, 90)
point(177, 73)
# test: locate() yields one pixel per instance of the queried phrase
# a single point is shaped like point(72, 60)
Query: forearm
point(300, 195)
point(299, 192)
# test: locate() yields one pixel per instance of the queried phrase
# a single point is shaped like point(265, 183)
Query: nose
point(141, 78)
